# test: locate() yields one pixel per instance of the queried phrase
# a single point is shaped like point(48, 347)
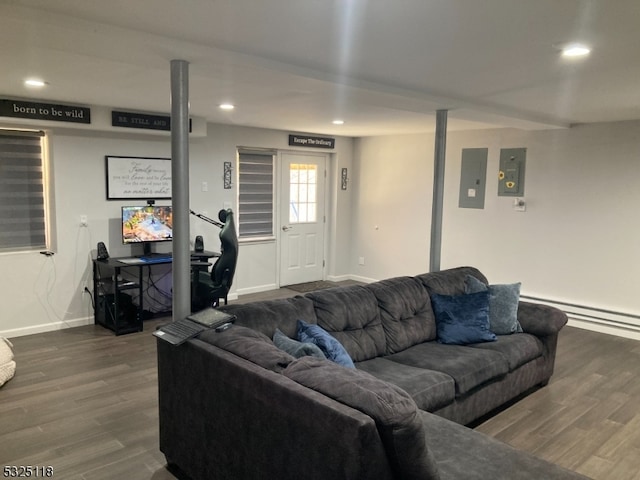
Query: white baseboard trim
point(596, 319)
point(338, 278)
point(603, 328)
point(359, 278)
point(256, 289)
point(46, 327)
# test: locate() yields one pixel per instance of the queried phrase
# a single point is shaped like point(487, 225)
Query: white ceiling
point(384, 66)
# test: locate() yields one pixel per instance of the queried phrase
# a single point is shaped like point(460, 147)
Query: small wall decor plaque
point(227, 175)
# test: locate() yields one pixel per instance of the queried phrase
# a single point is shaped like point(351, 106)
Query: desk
point(114, 307)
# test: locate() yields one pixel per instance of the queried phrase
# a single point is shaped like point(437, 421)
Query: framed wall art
point(138, 177)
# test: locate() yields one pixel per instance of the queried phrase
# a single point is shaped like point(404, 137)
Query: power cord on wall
point(93, 303)
point(51, 281)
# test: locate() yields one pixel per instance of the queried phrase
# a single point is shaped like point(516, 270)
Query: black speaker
point(198, 246)
point(102, 251)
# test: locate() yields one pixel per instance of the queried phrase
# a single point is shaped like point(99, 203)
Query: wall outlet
point(84, 221)
point(361, 261)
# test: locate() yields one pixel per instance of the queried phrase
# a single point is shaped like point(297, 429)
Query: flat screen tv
point(147, 225)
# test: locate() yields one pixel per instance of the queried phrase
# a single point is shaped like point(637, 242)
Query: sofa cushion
point(517, 349)
point(250, 345)
point(266, 315)
point(405, 310)
point(295, 348)
point(430, 390)
point(394, 412)
point(351, 315)
point(462, 453)
point(469, 367)
point(331, 348)
point(503, 305)
point(450, 281)
point(462, 319)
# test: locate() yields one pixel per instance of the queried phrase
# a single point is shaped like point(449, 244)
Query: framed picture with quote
point(138, 177)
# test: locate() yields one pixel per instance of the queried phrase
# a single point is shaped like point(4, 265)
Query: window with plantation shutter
point(255, 194)
point(22, 191)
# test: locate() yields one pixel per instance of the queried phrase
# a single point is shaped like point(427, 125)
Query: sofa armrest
point(222, 416)
point(540, 320)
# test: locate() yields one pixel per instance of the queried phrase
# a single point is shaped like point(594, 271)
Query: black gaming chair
point(213, 286)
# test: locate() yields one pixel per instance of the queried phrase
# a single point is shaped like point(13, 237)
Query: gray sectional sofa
point(234, 405)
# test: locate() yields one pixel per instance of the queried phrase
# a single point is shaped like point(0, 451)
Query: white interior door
point(302, 183)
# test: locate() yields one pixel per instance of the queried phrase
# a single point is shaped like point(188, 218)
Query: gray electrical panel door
point(511, 174)
point(473, 177)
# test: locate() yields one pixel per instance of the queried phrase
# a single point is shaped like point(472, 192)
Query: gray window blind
point(22, 195)
point(255, 193)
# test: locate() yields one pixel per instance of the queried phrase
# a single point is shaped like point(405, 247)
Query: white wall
point(393, 180)
point(41, 293)
point(578, 242)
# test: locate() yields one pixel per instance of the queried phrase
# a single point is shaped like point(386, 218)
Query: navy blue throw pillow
point(462, 319)
point(329, 345)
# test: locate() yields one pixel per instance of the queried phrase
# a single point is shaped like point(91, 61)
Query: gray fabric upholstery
point(462, 453)
point(430, 390)
point(295, 348)
point(469, 367)
point(392, 409)
point(358, 329)
point(540, 320)
point(405, 310)
point(468, 408)
point(250, 345)
point(451, 281)
point(267, 315)
point(517, 349)
point(223, 417)
point(228, 410)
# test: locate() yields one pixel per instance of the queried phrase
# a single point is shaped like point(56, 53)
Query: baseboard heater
point(593, 318)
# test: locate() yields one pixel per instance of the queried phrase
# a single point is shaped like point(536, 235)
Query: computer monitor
point(146, 224)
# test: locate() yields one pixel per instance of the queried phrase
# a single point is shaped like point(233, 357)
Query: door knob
point(286, 228)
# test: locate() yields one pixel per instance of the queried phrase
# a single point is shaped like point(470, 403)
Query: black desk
point(113, 295)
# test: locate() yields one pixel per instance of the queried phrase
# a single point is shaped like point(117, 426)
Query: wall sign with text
point(311, 141)
point(138, 177)
point(44, 111)
point(145, 121)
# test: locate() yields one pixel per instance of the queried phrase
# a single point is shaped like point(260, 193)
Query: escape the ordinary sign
point(312, 142)
point(44, 111)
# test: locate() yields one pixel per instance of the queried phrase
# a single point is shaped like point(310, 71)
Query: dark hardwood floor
point(85, 402)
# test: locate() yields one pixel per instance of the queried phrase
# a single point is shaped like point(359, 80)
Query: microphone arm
point(207, 219)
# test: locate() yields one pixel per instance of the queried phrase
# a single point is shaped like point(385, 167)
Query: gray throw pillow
point(249, 344)
point(503, 305)
point(294, 348)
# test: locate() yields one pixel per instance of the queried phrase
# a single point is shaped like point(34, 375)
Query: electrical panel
point(473, 177)
point(511, 173)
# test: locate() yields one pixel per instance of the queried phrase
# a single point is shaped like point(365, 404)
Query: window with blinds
point(22, 191)
point(255, 194)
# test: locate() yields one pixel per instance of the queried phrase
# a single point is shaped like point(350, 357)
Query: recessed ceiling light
point(226, 106)
point(35, 82)
point(575, 50)
point(338, 122)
